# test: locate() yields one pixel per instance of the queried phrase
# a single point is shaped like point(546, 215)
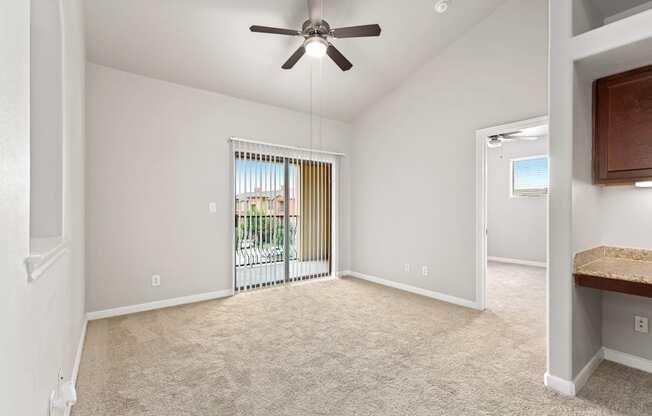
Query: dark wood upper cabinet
point(622, 127)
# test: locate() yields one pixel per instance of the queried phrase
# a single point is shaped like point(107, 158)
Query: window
point(529, 177)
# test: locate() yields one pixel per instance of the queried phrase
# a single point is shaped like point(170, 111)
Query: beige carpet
point(342, 347)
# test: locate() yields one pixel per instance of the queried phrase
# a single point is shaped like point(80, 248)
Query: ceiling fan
point(497, 140)
point(316, 34)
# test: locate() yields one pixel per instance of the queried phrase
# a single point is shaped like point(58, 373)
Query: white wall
point(157, 155)
point(517, 227)
point(41, 321)
point(583, 215)
point(604, 215)
point(586, 16)
point(626, 212)
point(587, 233)
point(413, 176)
point(627, 219)
point(46, 120)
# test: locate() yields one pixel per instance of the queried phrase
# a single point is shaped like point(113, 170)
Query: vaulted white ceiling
point(207, 44)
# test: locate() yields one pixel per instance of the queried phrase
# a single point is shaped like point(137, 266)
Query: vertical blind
point(283, 216)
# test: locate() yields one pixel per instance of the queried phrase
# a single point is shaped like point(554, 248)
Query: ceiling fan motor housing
point(316, 29)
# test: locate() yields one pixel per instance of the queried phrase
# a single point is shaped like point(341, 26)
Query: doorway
point(512, 198)
point(283, 216)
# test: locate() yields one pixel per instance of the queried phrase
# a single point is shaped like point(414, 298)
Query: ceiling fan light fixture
point(494, 143)
point(316, 46)
point(315, 34)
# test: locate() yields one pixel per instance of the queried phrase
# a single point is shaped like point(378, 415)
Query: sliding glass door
point(283, 217)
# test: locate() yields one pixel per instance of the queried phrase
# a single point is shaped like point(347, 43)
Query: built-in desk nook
point(614, 269)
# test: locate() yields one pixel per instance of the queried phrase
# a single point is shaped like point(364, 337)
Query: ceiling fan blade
point(294, 58)
point(526, 138)
point(356, 31)
point(274, 30)
point(338, 58)
point(315, 10)
point(511, 133)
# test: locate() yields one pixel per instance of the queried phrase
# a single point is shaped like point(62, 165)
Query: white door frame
point(481, 199)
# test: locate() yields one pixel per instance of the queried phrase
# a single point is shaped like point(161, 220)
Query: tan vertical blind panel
point(315, 209)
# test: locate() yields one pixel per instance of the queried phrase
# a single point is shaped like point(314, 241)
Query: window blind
point(283, 201)
point(530, 176)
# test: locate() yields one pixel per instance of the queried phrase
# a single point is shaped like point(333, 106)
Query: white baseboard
point(125, 310)
point(571, 388)
point(517, 261)
point(584, 375)
point(559, 385)
point(78, 355)
point(628, 360)
point(80, 350)
point(416, 290)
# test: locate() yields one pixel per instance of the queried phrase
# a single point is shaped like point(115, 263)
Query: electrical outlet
point(156, 280)
point(641, 324)
point(212, 207)
point(407, 267)
point(424, 270)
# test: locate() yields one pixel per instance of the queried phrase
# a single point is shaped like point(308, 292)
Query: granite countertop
point(633, 265)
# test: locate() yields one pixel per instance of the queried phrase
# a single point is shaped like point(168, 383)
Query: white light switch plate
point(212, 207)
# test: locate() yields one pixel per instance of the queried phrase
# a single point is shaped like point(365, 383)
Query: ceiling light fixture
point(316, 34)
point(645, 184)
point(494, 142)
point(316, 46)
point(441, 6)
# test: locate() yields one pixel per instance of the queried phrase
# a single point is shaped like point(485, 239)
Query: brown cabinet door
point(622, 139)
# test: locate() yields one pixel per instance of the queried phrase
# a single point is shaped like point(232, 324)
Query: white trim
point(559, 385)
point(584, 375)
point(65, 136)
point(231, 215)
point(571, 388)
point(416, 290)
point(628, 360)
point(37, 264)
point(481, 198)
point(80, 349)
point(160, 304)
point(77, 362)
point(517, 261)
